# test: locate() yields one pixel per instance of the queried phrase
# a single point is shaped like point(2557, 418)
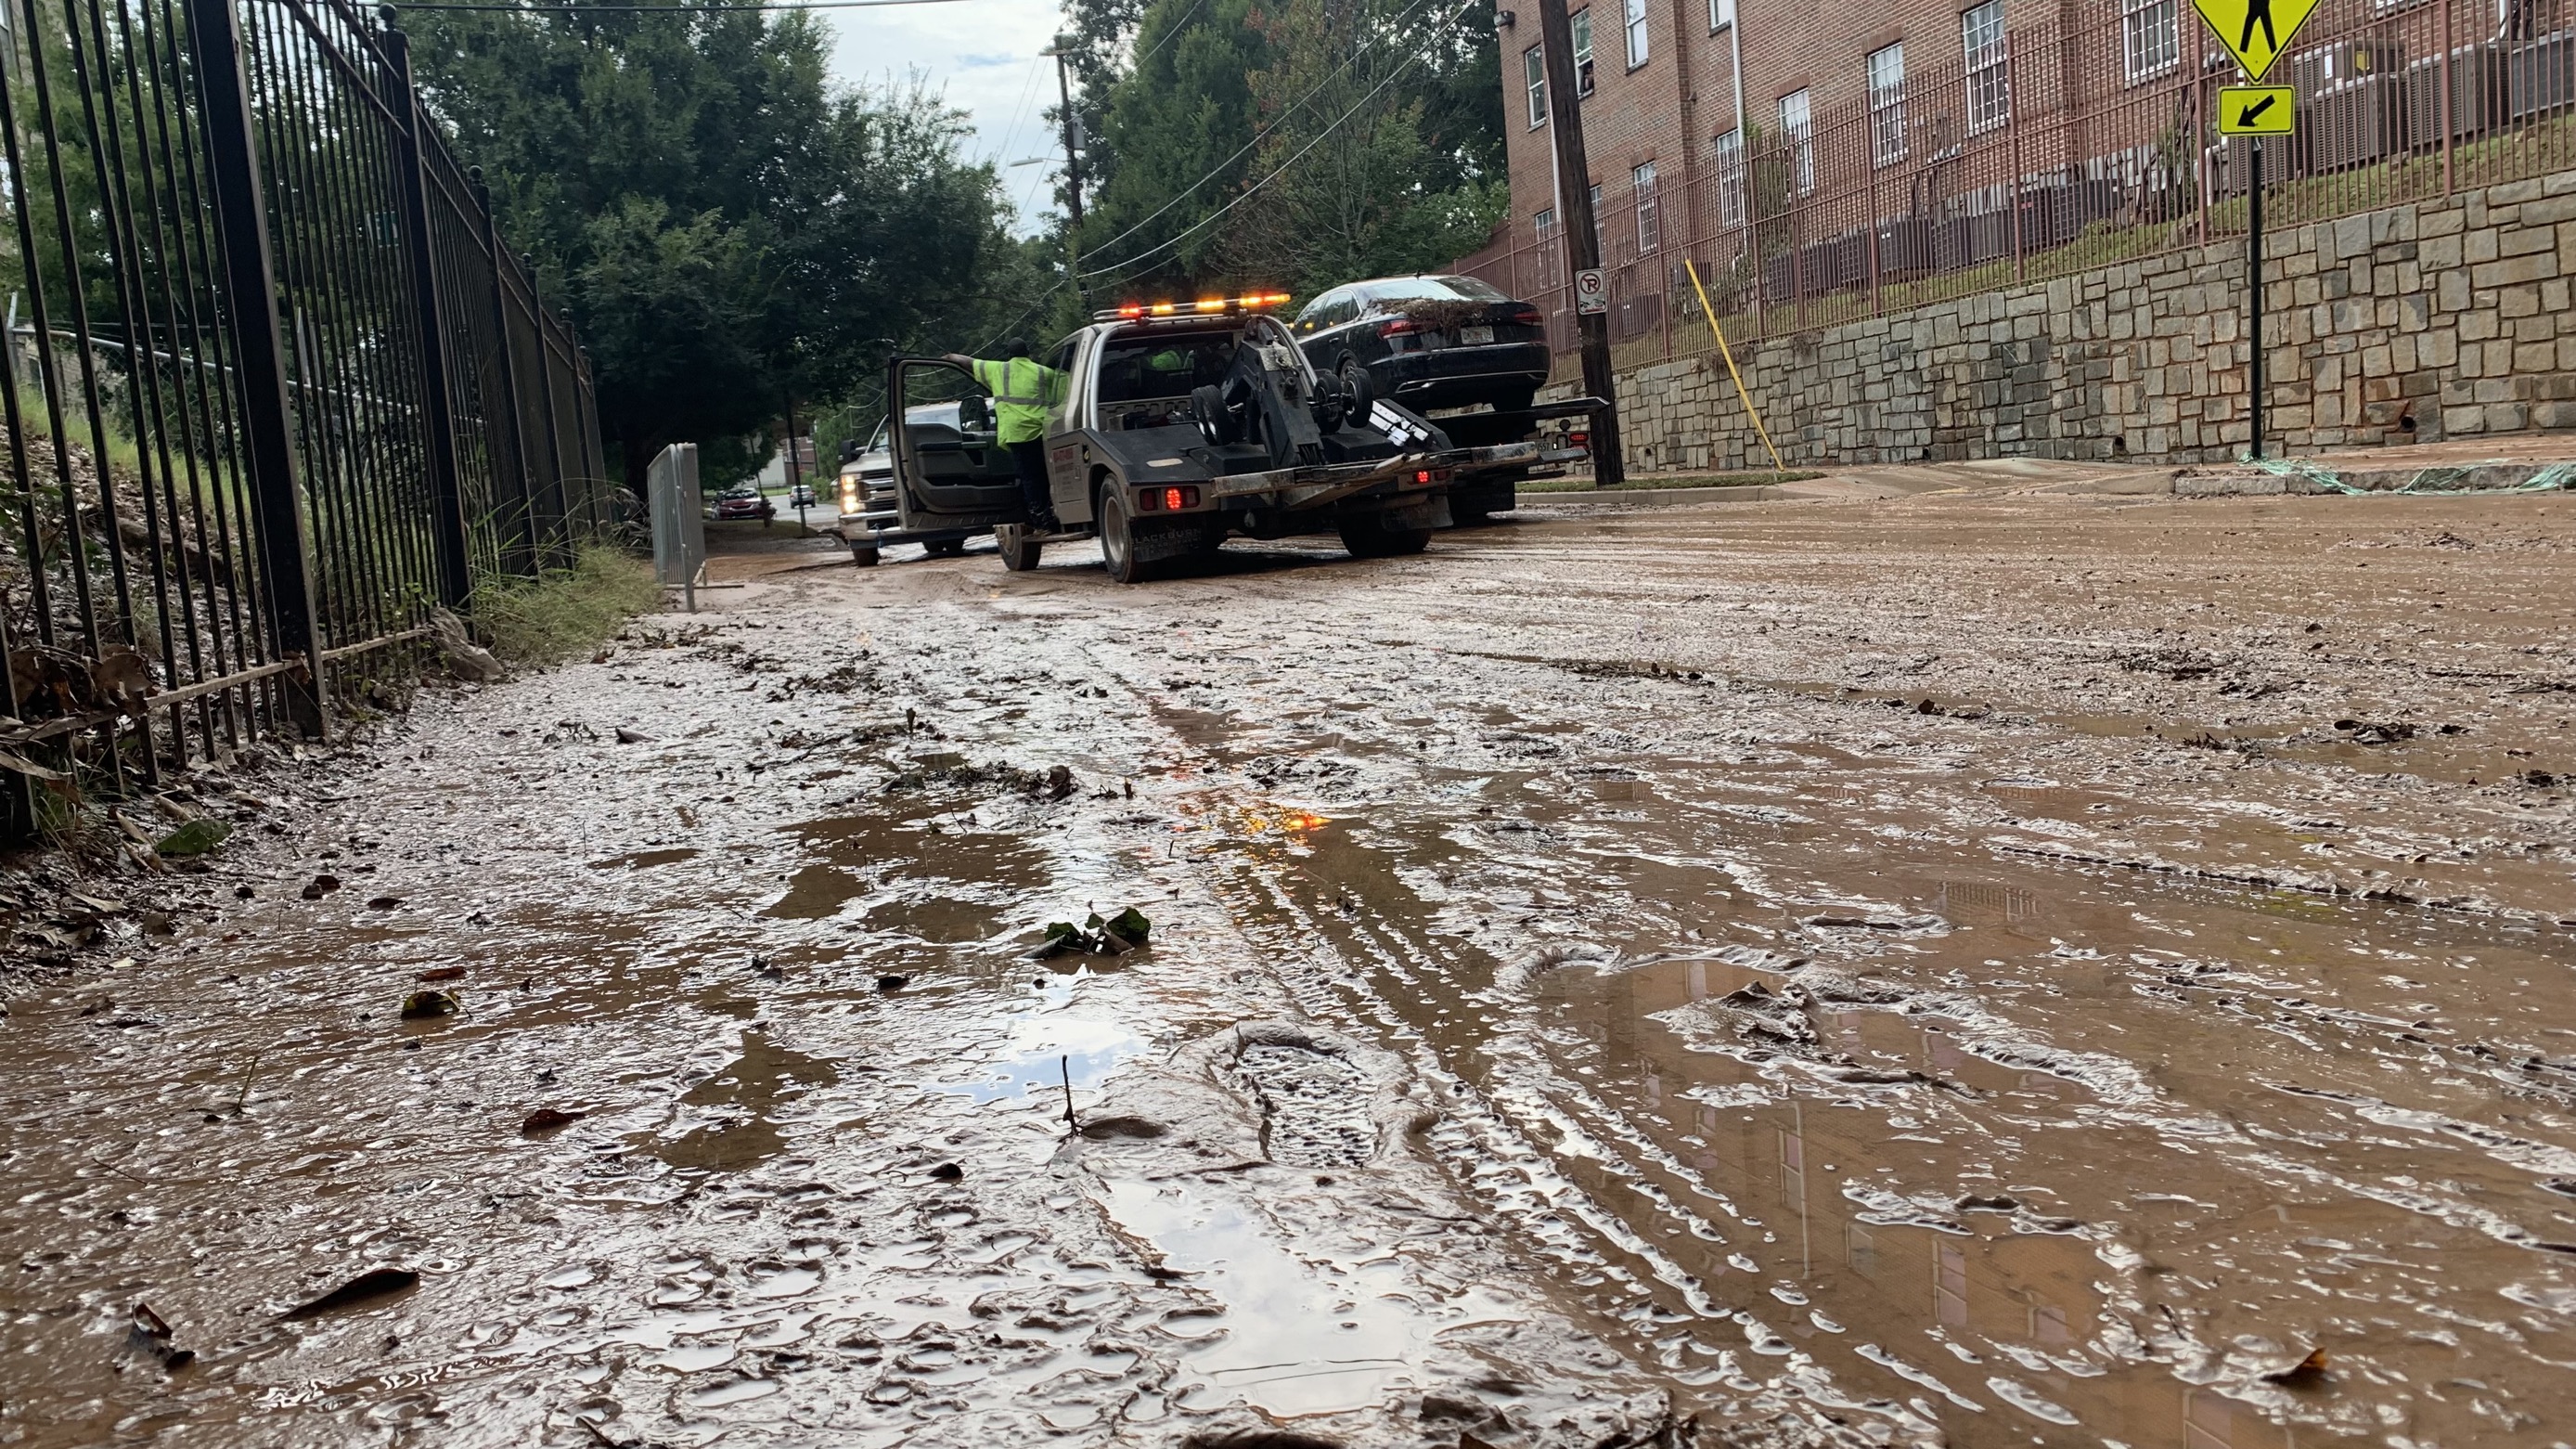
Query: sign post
point(2255, 32)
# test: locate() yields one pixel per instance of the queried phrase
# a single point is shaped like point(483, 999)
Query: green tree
point(731, 232)
point(1178, 126)
point(1348, 182)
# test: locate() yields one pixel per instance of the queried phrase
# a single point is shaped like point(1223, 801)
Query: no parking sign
point(1591, 293)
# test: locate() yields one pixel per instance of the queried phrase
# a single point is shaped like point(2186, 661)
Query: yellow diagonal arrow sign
point(2255, 31)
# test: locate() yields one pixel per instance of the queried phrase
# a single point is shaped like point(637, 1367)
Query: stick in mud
point(1072, 1124)
point(241, 1099)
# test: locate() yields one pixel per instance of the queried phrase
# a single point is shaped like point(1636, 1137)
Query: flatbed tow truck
point(1181, 424)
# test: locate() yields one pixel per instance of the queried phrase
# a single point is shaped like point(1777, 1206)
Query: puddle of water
point(1045, 1046)
point(1289, 1336)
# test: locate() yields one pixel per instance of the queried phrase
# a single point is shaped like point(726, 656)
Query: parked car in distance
point(801, 496)
point(744, 501)
point(1430, 341)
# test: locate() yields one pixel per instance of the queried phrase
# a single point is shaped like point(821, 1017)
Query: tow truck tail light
point(1430, 475)
point(1168, 500)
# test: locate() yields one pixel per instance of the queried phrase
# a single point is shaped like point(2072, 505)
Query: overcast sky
point(983, 54)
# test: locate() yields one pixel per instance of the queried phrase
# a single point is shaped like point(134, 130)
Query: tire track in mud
point(1362, 965)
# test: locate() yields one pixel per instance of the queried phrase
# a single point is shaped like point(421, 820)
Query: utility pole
point(1582, 240)
point(1072, 166)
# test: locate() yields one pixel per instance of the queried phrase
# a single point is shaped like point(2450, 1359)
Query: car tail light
point(1399, 327)
point(1526, 315)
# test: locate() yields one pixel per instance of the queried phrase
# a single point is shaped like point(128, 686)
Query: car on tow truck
point(869, 519)
point(1179, 425)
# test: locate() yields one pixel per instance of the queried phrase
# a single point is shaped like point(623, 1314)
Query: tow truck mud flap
point(1416, 512)
point(1154, 544)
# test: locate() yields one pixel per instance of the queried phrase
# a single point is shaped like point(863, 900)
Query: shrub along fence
point(276, 390)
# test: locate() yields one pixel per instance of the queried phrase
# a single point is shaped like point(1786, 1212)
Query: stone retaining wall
point(2442, 319)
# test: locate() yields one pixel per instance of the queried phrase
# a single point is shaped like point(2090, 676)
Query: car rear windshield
point(1435, 289)
point(1142, 366)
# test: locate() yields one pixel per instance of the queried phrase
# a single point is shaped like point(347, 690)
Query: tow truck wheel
point(1019, 551)
point(1118, 535)
point(1369, 537)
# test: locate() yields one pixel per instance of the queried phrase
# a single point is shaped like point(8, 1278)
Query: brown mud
point(1976, 970)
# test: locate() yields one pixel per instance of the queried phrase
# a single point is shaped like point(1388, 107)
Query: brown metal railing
point(2104, 149)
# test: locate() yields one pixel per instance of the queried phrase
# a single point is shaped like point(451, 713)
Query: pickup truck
point(1177, 426)
point(869, 519)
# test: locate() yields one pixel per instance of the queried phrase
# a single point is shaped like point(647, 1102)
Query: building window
point(1650, 231)
point(1730, 178)
point(1981, 37)
point(1636, 33)
point(1534, 77)
point(1887, 105)
point(1800, 138)
point(2150, 37)
point(1721, 14)
point(1544, 223)
point(1581, 25)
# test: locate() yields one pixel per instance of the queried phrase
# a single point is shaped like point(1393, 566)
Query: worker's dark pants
point(1031, 458)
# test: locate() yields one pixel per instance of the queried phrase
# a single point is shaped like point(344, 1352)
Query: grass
point(565, 612)
point(1658, 481)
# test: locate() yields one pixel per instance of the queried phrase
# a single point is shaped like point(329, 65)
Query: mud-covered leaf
point(626, 736)
point(948, 1172)
point(548, 1119)
point(442, 973)
point(194, 838)
point(373, 1283)
point(1131, 923)
point(427, 1005)
point(320, 886)
point(384, 903)
point(2307, 1373)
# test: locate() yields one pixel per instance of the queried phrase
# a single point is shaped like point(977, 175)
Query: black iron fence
point(276, 390)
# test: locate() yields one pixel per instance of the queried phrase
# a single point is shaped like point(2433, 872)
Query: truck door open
point(950, 471)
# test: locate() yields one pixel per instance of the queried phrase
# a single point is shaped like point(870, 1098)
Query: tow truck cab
point(1170, 428)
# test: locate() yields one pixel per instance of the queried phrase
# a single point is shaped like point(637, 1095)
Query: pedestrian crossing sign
point(2257, 110)
point(2255, 31)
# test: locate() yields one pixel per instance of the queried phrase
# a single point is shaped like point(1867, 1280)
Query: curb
point(2297, 476)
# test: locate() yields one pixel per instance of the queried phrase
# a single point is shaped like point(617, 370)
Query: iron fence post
point(446, 492)
point(546, 390)
point(507, 361)
point(259, 355)
point(2012, 124)
point(2450, 116)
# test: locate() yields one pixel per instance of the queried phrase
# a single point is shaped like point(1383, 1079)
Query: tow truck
point(1179, 424)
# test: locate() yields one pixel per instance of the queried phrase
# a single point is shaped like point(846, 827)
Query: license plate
point(1475, 336)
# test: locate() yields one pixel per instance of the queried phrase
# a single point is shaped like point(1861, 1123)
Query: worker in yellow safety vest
point(1023, 389)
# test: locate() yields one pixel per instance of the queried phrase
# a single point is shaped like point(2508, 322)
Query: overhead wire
point(1246, 194)
point(582, 7)
point(1258, 137)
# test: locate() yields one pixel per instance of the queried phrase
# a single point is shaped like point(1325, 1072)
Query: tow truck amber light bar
point(1203, 307)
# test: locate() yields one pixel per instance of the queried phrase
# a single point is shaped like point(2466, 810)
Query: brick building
point(1885, 145)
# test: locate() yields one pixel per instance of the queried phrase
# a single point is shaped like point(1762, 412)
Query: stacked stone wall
point(2443, 319)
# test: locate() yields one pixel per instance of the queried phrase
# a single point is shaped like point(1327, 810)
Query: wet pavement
point(1975, 969)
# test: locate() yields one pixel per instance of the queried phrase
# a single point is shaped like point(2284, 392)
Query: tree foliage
point(732, 232)
point(1285, 142)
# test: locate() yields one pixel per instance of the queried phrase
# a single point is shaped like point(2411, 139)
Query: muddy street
point(1995, 967)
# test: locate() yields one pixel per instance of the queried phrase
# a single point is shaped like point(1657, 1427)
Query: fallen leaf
point(442, 973)
point(320, 886)
point(384, 903)
point(948, 1172)
point(421, 1005)
point(373, 1283)
point(2307, 1373)
point(627, 736)
point(194, 838)
point(548, 1119)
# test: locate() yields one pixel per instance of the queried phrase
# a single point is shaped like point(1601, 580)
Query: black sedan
point(1429, 341)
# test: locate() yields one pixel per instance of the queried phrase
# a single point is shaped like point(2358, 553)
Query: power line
point(1257, 138)
point(1246, 194)
point(691, 9)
